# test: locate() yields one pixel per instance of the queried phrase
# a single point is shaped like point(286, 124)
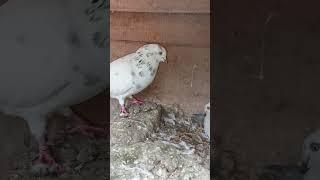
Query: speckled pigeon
point(134, 72)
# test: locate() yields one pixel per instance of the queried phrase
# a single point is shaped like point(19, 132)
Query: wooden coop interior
point(183, 28)
point(264, 120)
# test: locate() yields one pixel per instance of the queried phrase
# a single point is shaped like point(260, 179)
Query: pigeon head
point(311, 150)
point(156, 51)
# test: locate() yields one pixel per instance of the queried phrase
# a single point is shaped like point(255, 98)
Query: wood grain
point(176, 29)
point(161, 6)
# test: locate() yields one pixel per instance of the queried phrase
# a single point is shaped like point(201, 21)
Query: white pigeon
point(311, 156)
point(134, 72)
point(206, 123)
point(49, 61)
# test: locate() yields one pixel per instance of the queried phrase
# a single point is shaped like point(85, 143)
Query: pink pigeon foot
point(84, 128)
point(45, 157)
point(136, 101)
point(124, 112)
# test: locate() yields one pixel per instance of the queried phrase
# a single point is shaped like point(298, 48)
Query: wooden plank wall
point(164, 6)
point(183, 27)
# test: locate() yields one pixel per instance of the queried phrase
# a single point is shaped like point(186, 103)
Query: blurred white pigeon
point(49, 61)
point(311, 156)
point(206, 123)
point(309, 169)
point(134, 72)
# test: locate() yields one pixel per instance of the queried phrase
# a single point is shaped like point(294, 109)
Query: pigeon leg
point(124, 112)
point(136, 101)
point(37, 123)
point(83, 127)
point(46, 157)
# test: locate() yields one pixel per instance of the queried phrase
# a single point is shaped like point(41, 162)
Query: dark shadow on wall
point(264, 121)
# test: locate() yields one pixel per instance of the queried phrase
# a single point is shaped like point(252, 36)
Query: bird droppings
point(149, 146)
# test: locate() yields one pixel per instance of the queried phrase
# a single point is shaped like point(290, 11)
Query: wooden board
point(177, 29)
point(163, 6)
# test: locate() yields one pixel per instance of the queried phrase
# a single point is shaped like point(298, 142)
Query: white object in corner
point(206, 123)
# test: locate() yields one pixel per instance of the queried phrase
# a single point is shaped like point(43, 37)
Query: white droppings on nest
point(171, 152)
point(170, 143)
point(169, 120)
point(172, 116)
point(188, 149)
point(193, 127)
point(140, 170)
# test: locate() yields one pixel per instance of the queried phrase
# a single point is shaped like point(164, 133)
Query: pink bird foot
point(136, 101)
point(46, 158)
point(124, 112)
point(84, 128)
point(46, 162)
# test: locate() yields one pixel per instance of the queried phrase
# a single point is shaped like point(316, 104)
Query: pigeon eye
point(314, 147)
point(160, 53)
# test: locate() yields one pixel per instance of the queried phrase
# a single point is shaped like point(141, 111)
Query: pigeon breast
point(131, 74)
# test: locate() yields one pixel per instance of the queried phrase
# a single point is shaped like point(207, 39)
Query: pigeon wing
point(121, 76)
